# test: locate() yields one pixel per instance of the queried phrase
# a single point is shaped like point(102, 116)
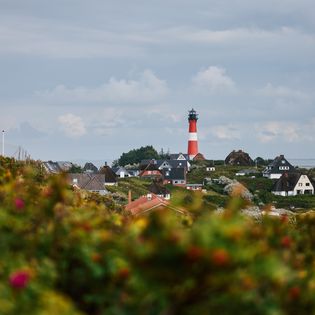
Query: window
point(284, 168)
point(75, 180)
point(307, 184)
point(300, 184)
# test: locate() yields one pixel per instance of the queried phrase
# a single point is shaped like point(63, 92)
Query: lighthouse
point(193, 139)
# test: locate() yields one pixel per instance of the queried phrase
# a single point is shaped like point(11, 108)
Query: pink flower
point(19, 279)
point(19, 203)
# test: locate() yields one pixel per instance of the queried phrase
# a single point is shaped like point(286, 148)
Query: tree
point(75, 169)
point(136, 155)
point(164, 155)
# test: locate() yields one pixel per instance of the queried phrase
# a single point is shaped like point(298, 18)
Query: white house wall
point(274, 176)
point(302, 185)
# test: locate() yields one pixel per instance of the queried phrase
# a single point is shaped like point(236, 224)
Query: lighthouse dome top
point(192, 115)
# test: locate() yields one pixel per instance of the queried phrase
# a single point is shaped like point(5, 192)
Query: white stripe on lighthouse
point(193, 136)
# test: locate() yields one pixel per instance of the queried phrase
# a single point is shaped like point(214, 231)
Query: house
point(278, 167)
point(133, 172)
point(110, 176)
point(292, 184)
point(239, 158)
point(179, 156)
point(148, 203)
point(90, 168)
point(194, 187)
point(210, 169)
point(166, 164)
point(247, 172)
point(199, 157)
point(56, 167)
point(121, 172)
point(175, 176)
point(159, 189)
point(89, 182)
point(151, 171)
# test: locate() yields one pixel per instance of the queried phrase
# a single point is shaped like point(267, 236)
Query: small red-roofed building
point(148, 203)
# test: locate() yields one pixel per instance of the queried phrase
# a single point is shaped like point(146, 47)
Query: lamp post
point(2, 142)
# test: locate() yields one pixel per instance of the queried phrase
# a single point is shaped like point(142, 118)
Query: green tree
point(75, 169)
point(136, 155)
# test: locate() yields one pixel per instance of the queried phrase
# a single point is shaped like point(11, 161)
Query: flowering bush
point(65, 253)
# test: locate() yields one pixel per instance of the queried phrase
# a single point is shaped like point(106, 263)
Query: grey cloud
point(147, 87)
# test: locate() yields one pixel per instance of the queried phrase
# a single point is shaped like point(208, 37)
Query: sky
point(91, 79)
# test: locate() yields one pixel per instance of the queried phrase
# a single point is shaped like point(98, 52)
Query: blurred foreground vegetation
point(69, 253)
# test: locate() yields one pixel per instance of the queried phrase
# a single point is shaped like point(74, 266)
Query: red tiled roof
point(145, 204)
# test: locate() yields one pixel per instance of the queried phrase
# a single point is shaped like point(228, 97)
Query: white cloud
point(237, 35)
point(56, 39)
point(72, 125)
point(226, 132)
point(106, 121)
point(213, 79)
point(284, 92)
point(278, 130)
point(147, 87)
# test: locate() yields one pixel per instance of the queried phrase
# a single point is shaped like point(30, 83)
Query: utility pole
point(3, 142)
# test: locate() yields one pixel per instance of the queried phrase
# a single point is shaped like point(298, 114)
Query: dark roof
point(52, 167)
point(57, 167)
point(155, 164)
point(87, 181)
point(110, 176)
point(199, 157)
point(145, 163)
point(174, 174)
point(179, 164)
point(273, 167)
point(90, 167)
point(239, 158)
point(158, 189)
point(287, 182)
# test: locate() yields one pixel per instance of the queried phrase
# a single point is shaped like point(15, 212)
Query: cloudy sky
point(90, 79)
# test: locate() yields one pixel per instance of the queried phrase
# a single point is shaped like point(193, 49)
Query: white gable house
point(293, 184)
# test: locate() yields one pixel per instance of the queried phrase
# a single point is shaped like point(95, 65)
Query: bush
point(67, 253)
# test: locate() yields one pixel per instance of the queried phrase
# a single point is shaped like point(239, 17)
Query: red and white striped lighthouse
point(193, 139)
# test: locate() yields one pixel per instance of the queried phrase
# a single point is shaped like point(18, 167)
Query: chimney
point(129, 196)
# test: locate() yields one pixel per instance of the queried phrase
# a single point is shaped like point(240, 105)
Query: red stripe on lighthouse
point(193, 126)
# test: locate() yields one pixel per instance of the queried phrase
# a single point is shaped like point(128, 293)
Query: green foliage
point(300, 201)
point(136, 186)
point(136, 155)
point(257, 184)
point(75, 169)
point(67, 253)
point(217, 200)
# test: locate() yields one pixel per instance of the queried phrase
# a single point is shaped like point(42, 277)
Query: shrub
point(67, 253)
